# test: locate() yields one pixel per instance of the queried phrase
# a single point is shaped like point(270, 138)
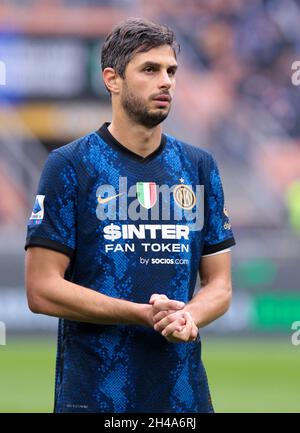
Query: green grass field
point(244, 375)
point(253, 375)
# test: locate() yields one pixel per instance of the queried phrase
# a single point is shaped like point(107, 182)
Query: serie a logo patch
point(37, 214)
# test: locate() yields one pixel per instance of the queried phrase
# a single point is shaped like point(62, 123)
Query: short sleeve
point(218, 233)
point(52, 223)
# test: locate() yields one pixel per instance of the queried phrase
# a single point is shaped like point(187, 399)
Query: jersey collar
point(104, 133)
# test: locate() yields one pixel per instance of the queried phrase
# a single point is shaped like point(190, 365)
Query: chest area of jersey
point(144, 213)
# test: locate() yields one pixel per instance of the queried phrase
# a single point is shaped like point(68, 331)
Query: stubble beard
point(137, 111)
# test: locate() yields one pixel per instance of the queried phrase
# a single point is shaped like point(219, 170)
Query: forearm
point(61, 298)
point(211, 302)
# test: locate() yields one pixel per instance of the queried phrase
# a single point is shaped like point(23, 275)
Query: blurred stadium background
point(234, 97)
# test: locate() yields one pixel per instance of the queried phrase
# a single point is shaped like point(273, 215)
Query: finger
point(160, 315)
point(194, 334)
point(192, 327)
point(176, 337)
point(156, 296)
point(168, 304)
point(174, 326)
point(163, 323)
point(172, 339)
point(187, 330)
point(188, 317)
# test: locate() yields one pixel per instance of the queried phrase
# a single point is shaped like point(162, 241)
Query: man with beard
point(117, 266)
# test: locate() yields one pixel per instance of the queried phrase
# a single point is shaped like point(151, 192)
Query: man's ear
point(111, 80)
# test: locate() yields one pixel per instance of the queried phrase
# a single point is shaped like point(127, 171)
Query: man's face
point(149, 85)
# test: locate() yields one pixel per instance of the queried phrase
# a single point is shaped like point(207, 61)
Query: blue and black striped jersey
point(132, 226)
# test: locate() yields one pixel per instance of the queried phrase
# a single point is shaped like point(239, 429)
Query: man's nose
point(165, 80)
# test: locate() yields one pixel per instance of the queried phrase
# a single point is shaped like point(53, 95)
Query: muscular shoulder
point(192, 153)
point(75, 150)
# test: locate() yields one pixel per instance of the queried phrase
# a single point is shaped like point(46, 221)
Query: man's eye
point(149, 69)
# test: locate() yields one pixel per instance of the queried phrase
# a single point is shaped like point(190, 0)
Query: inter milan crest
point(146, 194)
point(184, 196)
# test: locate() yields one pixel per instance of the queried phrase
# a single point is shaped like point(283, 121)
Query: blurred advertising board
point(50, 68)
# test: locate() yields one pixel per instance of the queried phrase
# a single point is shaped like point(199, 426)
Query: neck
point(137, 138)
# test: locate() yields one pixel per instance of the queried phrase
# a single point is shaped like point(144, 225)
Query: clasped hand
point(171, 319)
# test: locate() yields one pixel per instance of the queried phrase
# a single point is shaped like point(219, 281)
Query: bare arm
point(213, 300)
point(49, 293)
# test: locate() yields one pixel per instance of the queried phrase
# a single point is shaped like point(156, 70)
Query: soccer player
point(124, 219)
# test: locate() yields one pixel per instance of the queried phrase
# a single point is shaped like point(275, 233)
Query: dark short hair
point(132, 36)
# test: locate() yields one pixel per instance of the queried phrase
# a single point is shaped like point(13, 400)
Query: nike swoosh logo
point(107, 199)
